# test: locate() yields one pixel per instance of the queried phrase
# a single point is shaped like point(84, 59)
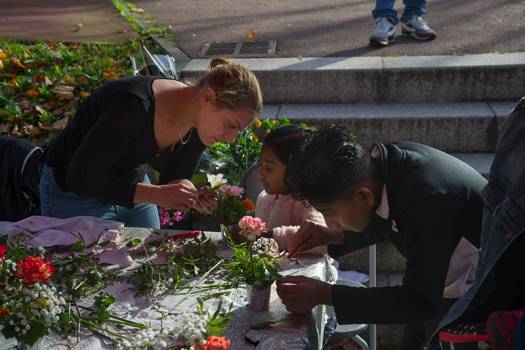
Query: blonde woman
point(92, 167)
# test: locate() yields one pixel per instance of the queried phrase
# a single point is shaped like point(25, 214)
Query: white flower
point(216, 181)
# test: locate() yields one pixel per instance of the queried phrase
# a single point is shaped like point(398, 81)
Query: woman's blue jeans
point(385, 8)
point(59, 204)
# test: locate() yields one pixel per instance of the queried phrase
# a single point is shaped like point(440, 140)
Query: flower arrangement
point(230, 204)
point(30, 304)
point(38, 295)
point(254, 262)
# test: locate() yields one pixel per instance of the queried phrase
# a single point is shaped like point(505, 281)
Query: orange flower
point(73, 46)
point(3, 54)
point(258, 123)
point(33, 92)
point(248, 204)
point(84, 94)
point(216, 343)
point(4, 312)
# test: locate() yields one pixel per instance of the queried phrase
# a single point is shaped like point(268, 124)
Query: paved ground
point(59, 20)
point(341, 27)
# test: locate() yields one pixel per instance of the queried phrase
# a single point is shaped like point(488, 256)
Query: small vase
point(258, 300)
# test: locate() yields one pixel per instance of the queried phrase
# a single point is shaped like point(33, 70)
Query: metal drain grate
point(239, 49)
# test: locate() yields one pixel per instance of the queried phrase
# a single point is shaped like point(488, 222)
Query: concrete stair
point(483, 77)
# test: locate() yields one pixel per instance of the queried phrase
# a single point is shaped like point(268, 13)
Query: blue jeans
point(59, 204)
point(385, 8)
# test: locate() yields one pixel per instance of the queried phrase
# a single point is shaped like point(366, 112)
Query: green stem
point(119, 320)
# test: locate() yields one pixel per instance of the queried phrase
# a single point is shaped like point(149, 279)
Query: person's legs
point(412, 22)
point(59, 204)
point(141, 215)
point(413, 8)
point(385, 8)
point(385, 23)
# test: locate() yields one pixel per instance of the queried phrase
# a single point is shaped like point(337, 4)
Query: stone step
point(452, 78)
point(459, 127)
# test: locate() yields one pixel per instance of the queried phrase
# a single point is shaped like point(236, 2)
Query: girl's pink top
point(284, 215)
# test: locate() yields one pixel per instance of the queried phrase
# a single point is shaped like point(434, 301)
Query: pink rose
point(251, 227)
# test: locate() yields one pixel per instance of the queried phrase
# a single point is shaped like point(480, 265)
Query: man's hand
point(301, 294)
point(312, 235)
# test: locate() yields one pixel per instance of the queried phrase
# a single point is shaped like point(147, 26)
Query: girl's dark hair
point(285, 140)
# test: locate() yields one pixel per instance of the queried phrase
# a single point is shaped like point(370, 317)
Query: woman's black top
point(100, 152)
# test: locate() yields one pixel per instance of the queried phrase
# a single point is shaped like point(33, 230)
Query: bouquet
point(230, 204)
point(29, 303)
point(254, 261)
point(38, 296)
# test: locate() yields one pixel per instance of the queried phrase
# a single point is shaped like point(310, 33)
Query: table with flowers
point(187, 293)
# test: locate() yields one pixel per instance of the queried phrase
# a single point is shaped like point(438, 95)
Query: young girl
point(275, 206)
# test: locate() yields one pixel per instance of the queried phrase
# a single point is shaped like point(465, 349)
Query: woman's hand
point(179, 194)
point(207, 201)
point(312, 235)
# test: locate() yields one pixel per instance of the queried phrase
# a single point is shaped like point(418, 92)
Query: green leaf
point(200, 179)
point(134, 242)
point(78, 246)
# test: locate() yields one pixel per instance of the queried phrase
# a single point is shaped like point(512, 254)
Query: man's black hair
point(328, 167)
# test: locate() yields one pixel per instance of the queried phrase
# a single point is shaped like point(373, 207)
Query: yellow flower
point(41, 301)
point(84, 94)
point(1, 64)
point(258, 123)
point(3, 55)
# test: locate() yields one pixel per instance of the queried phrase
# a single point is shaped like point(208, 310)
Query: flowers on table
point(195, 331)
point(29, 303)
point(216, 343)
point(251, 227)
point(254, 262)
point(33, 269)
point(3, 250)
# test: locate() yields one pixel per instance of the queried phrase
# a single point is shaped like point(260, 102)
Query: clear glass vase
point(258, 300)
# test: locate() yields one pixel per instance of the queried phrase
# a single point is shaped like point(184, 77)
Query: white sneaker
point(384, 33)
point(417, 28)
